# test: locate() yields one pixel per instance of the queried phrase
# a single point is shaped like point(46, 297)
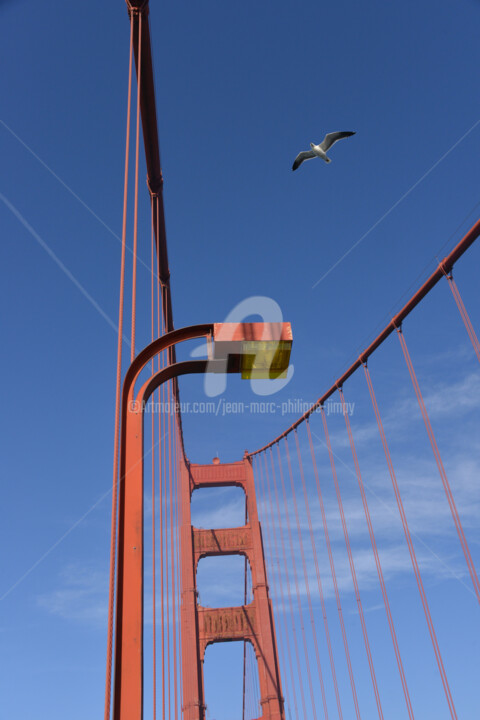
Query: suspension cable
point(289, 590)
point(278, 589)
point(297, 588)
point(411, 549)
point(305, 575)
point(279, 594)
point(161, 426)
point(135, 211)
point(116, 442)
point(352, 567)
point(172, 552)
point(441, 469)
point(319, 580)
point(167, 578)
point(177, 537)
point(444, 268)
point(377, 558)
point(154, 620)
point(334, 580)
point(463, 312)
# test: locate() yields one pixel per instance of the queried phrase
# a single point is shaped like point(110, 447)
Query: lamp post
point(252, 349)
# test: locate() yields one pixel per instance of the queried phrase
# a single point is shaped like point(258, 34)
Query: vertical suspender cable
point(167, 579)
point(154, 619)
point(319, 581)
point(113, 535)
point(295, 577)
point(278, 593)
point(135, 215)
point(411, 549)
point(177, 551)
point(463, 312)
point(178, 520)
point(254, 674)
point(281, 591)
point(278, 590)
point(172, 550)
point(172, 560)
point(307, 584)
point(256, 694)
point(352, 567)
point(289, 589)
point(161, 426)
point(441, 469)
point(170, 501)
point(334, 580)
point(377, 559)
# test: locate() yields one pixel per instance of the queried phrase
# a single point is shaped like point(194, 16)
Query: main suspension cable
point(116, 441)
point(135, 211)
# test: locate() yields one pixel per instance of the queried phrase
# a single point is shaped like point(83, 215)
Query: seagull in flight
point(321, 149)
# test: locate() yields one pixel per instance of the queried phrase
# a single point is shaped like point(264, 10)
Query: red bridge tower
point(252, 622)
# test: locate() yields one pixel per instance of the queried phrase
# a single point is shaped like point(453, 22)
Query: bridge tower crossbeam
point(203, 626)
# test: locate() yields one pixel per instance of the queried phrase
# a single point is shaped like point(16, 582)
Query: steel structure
point(200, 626)
point(443, 270)
point(253, 622)
point(254, 350)
point(256, 619)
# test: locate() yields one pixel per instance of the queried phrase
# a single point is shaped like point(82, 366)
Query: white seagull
point(321, 149)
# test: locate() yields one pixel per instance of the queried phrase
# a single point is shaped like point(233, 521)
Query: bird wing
point(306, 155)
point(332, 138)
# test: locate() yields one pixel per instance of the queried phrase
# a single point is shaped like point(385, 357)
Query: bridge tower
point(203, 626)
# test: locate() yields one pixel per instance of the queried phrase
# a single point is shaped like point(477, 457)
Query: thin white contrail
point(52, 547)
point(75, 524)
point(61, 265)
point(59, 179)
point(396, 204)
point(72, 192)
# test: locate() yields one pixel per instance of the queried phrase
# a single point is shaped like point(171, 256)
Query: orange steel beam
point(128, 677)
point(203, 626)
point(443, 269)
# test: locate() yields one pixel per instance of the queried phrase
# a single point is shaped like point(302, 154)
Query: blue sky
point(240, 91)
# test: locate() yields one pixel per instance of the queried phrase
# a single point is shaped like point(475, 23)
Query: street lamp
point(256, 350)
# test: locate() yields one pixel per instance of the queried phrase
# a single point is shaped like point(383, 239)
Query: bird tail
point(328, 160)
